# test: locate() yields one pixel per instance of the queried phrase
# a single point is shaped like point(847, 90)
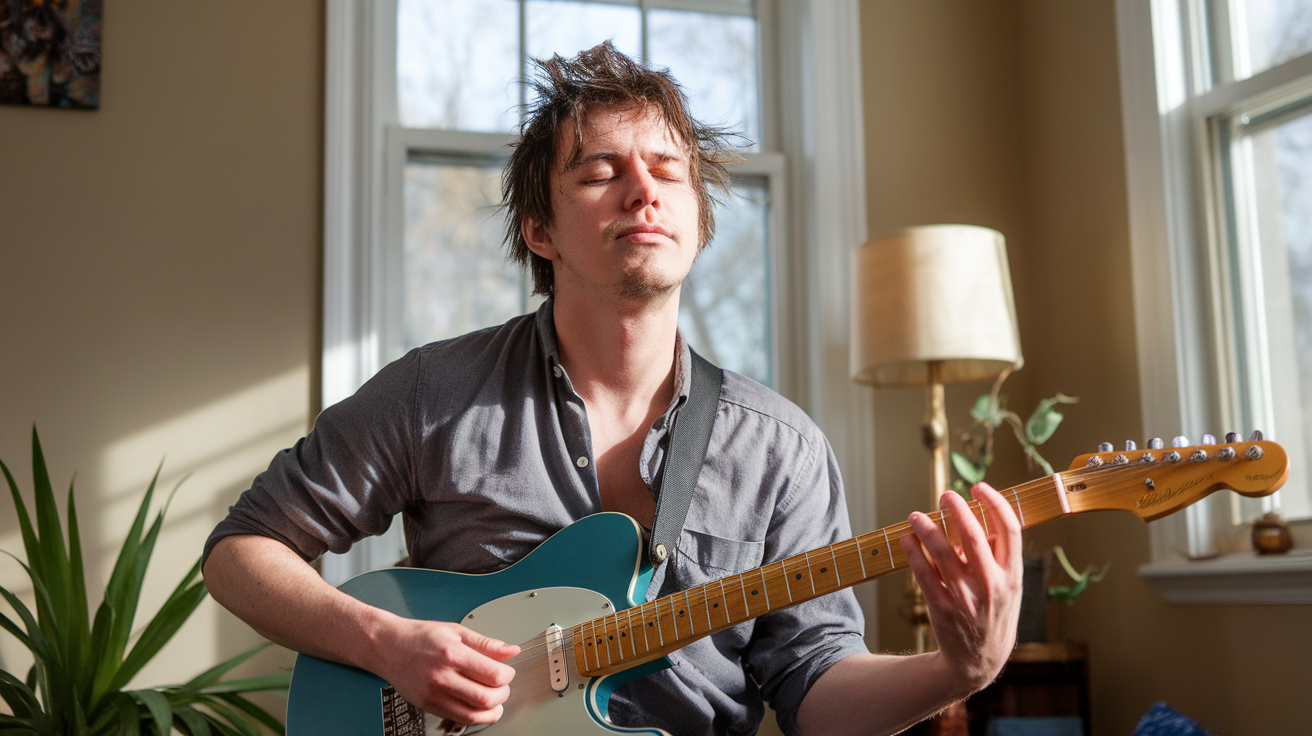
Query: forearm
point(272, 589)
point(879, 694)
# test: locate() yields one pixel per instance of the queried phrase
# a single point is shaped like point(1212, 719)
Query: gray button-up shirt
point(483, 446)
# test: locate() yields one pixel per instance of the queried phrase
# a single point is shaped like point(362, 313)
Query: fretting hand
point(972, 589)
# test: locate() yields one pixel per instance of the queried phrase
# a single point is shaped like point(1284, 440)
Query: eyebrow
point(610, 155)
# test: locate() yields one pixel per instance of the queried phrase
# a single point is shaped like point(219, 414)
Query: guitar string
point(1015, 496)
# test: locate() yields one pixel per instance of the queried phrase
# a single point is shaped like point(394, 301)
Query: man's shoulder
point(515, 335)
point(745, 395)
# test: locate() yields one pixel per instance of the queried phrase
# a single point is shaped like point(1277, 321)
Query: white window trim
point(817, 59)
point(1162, 94)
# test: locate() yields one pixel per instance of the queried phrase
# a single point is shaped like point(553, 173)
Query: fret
point(725, 601)
point(833, 556)
point(688, 606)
point(1015, 496)
point(778, 575)
point(606, 639)
point(861, 557)
point(660, 634)
point(742, 590)
point(811, 573)
point(892, 563)
point(589, 644)
point(642, 611)
point(706, 604)
point(984, 519)
point(788, 588)
point(764, 589)
point(628, 631)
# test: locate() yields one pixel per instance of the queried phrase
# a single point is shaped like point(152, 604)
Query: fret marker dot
point(824, 569)
point(799, 576)
point(612, 637)
point(680, 613)
point(651, 623)
point(753, 592)
point(874, 552)
point(715, 605)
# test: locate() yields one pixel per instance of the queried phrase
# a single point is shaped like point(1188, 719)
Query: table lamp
point(933, 305)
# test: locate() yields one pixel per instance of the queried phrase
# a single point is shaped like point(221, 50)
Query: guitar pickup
point(556, 660)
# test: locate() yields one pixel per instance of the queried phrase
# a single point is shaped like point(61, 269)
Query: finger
point(477, 667)
point(1003, 525)
point(934, 539)
point(494, 648)
point(974, 542)
point(931, 582)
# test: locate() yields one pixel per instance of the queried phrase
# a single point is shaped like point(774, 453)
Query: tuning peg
point(1104, 447)
point(1130, 446)
point(1256, 436)
point(1180, 441)
point(1209, 439)
point(1231, 436)
point(1155, 443)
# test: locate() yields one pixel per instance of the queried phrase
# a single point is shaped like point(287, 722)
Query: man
point(491, 442)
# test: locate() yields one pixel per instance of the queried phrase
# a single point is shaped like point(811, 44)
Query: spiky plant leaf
point(74, 687)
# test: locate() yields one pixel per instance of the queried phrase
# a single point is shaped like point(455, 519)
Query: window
point(422, 98)
point(1217, 99)
point(460, 66)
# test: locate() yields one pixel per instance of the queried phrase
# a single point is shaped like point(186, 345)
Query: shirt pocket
point(706, 557)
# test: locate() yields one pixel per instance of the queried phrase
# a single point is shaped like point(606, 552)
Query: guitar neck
point(639, 634)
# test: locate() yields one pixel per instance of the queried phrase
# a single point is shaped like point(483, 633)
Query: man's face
point(624, 209)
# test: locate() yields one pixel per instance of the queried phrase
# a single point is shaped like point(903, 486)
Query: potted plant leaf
point(83, 663)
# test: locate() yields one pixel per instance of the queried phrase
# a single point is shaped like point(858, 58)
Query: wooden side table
point(1043, 689)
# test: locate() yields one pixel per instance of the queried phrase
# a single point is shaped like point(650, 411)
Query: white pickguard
point(534, 707)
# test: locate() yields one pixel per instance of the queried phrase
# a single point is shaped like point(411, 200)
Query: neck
point(618, 349)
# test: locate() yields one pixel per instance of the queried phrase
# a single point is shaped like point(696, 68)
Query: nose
point(644, 190)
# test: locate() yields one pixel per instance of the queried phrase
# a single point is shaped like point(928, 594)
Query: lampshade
point(933, 293)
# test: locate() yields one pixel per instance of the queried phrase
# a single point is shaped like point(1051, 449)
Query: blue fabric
point(1163, 720)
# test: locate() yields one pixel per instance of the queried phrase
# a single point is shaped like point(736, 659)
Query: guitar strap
point(684, 454)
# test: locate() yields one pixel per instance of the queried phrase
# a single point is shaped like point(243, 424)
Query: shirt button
point(556, 369)
point(581, 462)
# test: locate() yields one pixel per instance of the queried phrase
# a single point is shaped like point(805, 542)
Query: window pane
point(456, 61)
point(567, 27)
point(1268, 33)
point(1272, 193)
point(455, 274)
point(714, 57)
point(724, 311)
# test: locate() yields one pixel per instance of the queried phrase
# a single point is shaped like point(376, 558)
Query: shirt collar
point(546, 326)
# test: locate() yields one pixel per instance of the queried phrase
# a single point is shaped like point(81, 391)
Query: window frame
point(1168, 100)
point(811, 48)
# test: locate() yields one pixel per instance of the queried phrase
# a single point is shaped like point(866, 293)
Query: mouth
point(643, 233)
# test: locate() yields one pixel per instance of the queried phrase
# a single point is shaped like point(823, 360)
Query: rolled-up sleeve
point(792, 648)
point(346, 480)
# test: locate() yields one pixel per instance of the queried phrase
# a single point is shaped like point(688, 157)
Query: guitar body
point(592, 568)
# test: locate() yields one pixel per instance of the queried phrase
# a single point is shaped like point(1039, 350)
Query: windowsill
point(1238, 578)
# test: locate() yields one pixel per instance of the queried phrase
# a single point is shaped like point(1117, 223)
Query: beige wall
point(1007, 113)
point(161, 267)
point(160, 263)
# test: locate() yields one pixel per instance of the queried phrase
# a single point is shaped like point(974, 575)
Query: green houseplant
point(82, 664)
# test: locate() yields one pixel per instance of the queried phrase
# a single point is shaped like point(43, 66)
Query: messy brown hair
point(567, 89)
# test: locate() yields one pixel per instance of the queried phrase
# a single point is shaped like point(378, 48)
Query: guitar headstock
point(1156, 481)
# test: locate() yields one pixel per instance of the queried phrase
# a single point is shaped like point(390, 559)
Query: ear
point(538, 238)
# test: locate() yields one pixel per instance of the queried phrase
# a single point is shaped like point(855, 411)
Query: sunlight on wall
point(214, 451)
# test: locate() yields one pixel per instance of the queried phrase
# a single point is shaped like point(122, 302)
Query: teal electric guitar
point(573, 604)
